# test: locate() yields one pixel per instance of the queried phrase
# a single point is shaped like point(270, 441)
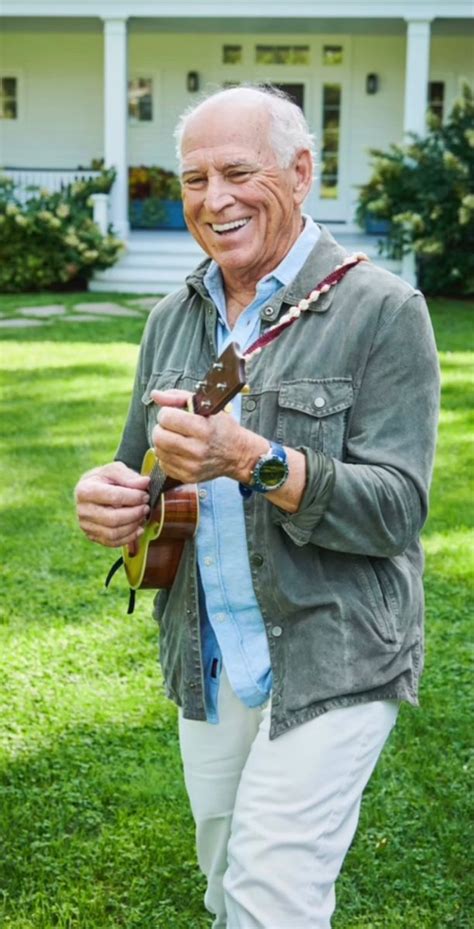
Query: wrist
point(248, 451)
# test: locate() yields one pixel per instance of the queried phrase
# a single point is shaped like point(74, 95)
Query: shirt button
point(221, 617)
point(276, 631)
point(320, 402)
point(208, 561)
point(268, 312)
point(256, 560)
point(202, 493)
point(250, 405)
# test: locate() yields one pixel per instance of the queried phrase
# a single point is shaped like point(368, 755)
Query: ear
point(303, 175)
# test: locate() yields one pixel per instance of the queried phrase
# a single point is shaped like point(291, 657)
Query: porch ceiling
point(229, 25)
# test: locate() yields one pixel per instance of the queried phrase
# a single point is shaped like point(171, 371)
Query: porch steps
point(157, 262)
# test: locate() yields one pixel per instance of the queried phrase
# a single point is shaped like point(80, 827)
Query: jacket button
point(276, 631)
point(256, 560)
point(268, 312)
point(249, 405)
point(320, 402)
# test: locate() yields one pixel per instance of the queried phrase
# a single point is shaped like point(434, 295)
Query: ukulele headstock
point(222, 382)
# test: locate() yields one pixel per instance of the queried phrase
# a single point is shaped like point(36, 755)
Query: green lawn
point(94, 822)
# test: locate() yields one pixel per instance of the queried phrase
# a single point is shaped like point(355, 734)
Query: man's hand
point(112, 504)
point(194, 448)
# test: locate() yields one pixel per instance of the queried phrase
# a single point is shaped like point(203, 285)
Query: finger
point(118, 473)
point(101, 493)
point(111, 516)
point(112, 537)
point(182, 422)
point(173, 397)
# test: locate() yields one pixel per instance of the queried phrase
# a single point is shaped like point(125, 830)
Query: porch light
point(372, 83)
point(192, 82)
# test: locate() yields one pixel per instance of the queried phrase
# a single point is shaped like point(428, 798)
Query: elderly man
point(293, 629)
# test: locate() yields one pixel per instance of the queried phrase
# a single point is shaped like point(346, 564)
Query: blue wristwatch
point(270, 472)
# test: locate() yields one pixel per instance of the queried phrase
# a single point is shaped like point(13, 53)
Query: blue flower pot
point(156, 214)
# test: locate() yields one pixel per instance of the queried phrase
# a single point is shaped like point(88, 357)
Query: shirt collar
point(282, 275)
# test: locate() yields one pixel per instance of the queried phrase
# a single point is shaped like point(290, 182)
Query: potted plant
point(155, 199)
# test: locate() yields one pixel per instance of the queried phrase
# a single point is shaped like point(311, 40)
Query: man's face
point(239, 205)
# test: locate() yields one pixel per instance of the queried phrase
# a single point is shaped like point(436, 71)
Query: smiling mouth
point(223, 228)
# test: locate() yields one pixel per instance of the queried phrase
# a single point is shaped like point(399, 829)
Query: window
point(8, 98)
point(232, 54)
point(282, 54)
point(332, 55)
point(140, 100)
point(436, 98)
point(330, 141)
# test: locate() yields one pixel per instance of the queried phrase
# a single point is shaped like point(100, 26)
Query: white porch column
point(116, 119)
point(416, 75)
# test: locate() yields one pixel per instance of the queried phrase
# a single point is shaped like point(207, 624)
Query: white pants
point(274, 819)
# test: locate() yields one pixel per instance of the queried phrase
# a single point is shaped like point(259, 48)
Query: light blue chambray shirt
point(232, 628)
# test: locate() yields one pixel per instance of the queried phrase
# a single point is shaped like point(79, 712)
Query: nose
point(219, 194)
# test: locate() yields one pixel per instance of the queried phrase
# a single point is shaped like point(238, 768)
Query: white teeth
point(225, 227)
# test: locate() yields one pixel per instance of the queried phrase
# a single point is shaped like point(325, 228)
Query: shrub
point(425, 187)
point(51, 241)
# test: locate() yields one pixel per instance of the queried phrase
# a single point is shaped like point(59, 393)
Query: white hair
point(289, 131)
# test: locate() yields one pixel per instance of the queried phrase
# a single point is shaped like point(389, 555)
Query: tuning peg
point(245, 389)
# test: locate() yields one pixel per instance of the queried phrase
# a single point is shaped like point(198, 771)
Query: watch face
point(272, 472)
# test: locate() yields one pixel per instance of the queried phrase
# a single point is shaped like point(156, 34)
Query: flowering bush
point(426, 189)
point(51, 241)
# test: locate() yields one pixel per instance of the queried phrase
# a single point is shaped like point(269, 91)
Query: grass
point(94, 822)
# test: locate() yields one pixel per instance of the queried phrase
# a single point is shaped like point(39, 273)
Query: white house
point(82, 79)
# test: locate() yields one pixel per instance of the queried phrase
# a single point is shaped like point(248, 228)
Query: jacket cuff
point(320, 479)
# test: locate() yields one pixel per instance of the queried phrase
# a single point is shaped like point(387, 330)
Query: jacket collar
point(323, 259)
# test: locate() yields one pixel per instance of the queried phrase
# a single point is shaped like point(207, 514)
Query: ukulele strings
point(157, 480)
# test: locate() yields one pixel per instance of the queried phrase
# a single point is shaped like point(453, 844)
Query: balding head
point(287, 129)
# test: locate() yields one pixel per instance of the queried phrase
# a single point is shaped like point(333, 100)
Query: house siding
point(61, 92)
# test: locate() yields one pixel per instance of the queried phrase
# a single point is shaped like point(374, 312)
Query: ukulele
point(153, 560)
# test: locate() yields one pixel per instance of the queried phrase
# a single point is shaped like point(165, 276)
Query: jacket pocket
point(164, 381)
point(381, 596)
point(315, 413)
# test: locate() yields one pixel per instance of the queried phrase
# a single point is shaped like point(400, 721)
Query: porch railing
point(54, 180)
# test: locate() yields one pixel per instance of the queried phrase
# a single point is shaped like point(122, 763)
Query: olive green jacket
point(353, 384)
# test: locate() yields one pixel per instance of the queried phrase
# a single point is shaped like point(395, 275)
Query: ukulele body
point(153, 560)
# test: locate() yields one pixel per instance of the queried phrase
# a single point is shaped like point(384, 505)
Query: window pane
point(332, 55)
point(8, 98)
point(436, 98)
point(329, 189)
point(140, 99)
point(282, 54)
point(8, 110)
point(9, 86)
point(232, 54)
point(331, 95)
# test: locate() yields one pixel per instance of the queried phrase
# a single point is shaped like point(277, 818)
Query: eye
point(194, 181)
point(239, 175)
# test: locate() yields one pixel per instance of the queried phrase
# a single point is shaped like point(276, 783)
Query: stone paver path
point(55, 309)
point(145, 303)
point(20, 323)
point(79, 313)
point(106, 309)
point(83, 318)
